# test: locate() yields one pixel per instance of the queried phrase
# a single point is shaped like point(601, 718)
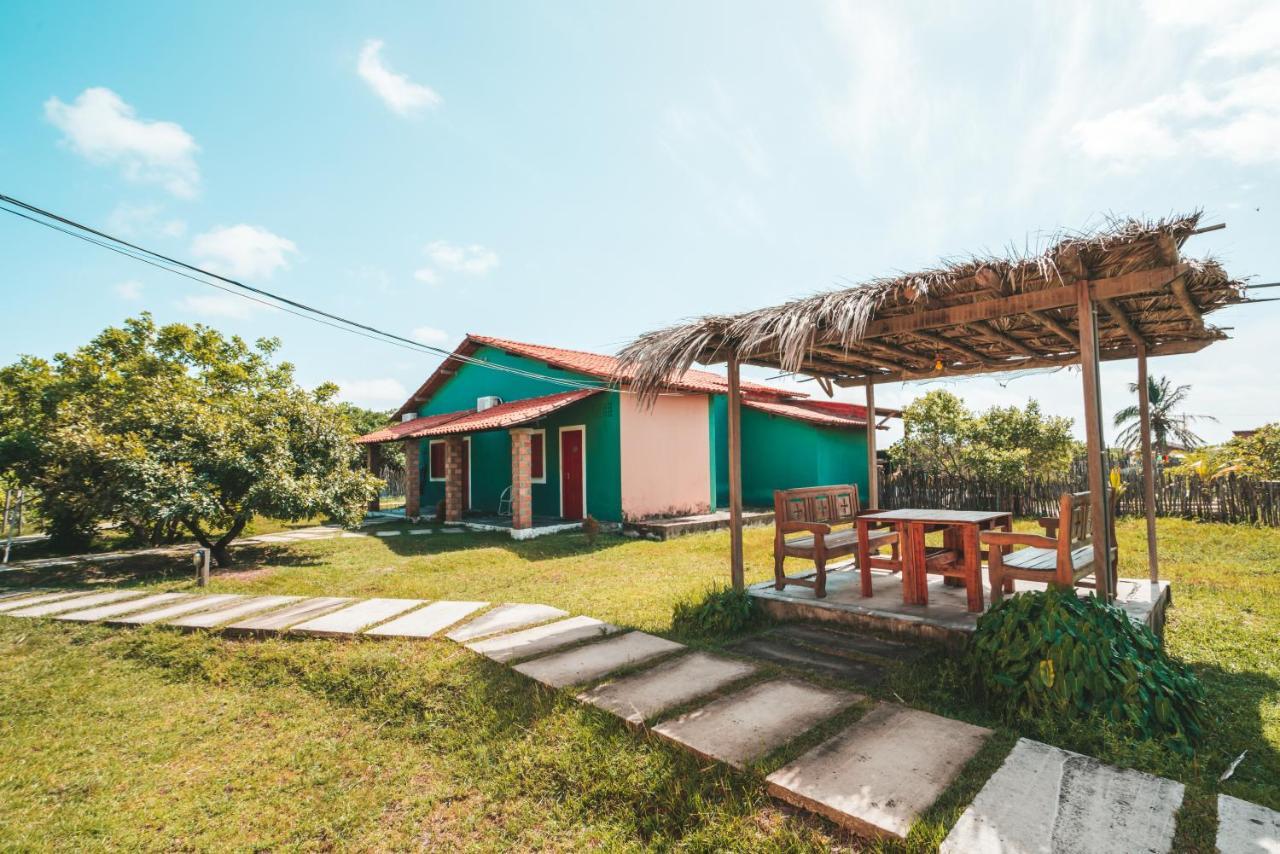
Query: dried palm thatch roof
point(976, 315)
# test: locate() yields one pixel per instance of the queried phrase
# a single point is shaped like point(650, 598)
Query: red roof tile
point(408, 429)
point(503, 415)
point(828, 413)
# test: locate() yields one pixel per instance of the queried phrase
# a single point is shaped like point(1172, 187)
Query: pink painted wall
point(666, 456)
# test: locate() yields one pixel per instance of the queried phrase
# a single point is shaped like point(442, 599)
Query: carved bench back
point(831, 505)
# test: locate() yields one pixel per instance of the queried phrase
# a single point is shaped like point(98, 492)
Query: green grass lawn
point(154, 739)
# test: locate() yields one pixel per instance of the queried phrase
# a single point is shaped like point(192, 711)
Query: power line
point(169, 264)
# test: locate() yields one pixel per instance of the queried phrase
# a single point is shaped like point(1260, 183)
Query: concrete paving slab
point(50, 596)
point(640, 696)
point(274, 538)
point(209, 619)
point(753, 722)
point(278, 621)
point(804, 658)
point(880, 773)
point(541, 639)
point(75, 603)
point(425, 622)
point(1246, 828)
point(359, 616)
point(575, 666)
point(1044, 798)
point(193, 604)
point(353, 534)
point(14, 594)
point(388, 533)
point(101, 612)
point(849, 642)
point(504, 618)
point(417, 532)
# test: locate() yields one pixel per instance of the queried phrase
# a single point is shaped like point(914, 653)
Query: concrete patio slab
point(425, 622)
point(210, 619)
point(359, 616)
point(417, 532)
point(190, 605)
point(584, 664)
point(278, 621)
point(388, 533)
point(101, 612)
point(14, 594)
point(75, 603)
point(751, 723)
point(793, 656)
point(541, 639)
point(879, 774)
point(1246, 828)
point(504, 618)
point(674, 683)
point(1044, 798)
point(49, 596)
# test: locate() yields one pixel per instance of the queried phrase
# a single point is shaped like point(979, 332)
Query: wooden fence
point(1229, 498)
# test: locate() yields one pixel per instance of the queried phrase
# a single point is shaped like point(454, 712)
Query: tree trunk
point(221, 550)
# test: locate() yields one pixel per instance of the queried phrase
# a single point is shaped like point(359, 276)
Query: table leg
point(953, 540)
point(972, 557)
point(915, 590)
point(864, 556)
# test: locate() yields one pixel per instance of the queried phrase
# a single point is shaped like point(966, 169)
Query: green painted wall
point(491, 451)
point(719, 409)
point(783, 453)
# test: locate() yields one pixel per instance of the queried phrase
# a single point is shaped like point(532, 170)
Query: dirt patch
point(246, 574)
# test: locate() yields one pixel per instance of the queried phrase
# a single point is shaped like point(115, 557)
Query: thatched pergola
point(1121, 292)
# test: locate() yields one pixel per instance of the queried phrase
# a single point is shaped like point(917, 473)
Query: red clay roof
point(503, 415)
point(828, 413)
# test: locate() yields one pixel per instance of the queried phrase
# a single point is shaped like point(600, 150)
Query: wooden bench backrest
point(831, 505)
point(1075, 522)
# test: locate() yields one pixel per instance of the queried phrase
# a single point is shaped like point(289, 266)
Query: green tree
point(174, 427)
point(1166, 421)
point(1257, 455)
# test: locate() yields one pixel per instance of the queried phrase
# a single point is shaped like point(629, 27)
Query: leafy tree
point(1166, 422)
point(1257, 456)
point(1005, 443)
point(366, 421)
point(176, 426)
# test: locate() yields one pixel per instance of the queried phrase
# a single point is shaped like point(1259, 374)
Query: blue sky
point(576, 173)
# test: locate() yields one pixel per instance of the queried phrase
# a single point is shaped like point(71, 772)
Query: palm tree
point(1166, 424)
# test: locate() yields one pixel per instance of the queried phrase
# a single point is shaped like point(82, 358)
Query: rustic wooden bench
point(815, 513)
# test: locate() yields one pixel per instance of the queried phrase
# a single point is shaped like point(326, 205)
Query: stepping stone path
point(1245, 828)
point(639, 697)
point(876, 776)
point(598, 659)
point(880, 774)
point(749, 724)
point(505, 618)
point(1047, 799)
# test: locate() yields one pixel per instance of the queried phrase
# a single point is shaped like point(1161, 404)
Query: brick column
point(412, 479)
point(521, 478)
point(453, 479)
point(374, 458)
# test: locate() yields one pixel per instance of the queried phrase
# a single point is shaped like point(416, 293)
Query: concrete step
point(588, 663)
point(755, 721)
point(425, 622)
point(211, 619)
point(667, 685)
point(352, 619)
point(848, 643)
point(189, 605)
point(1044, 798)
point(18, 603)
point(278, 621)
point(800, 657)
point(541, 639)
point(74, 603)
point(879, 774)
point(1245, 828)
point(504, 618)
point(129, 606)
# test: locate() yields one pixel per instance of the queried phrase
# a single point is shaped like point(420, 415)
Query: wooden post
point(735, 474)
point(1088, 321)
point(1148, 464)
point(873, 469)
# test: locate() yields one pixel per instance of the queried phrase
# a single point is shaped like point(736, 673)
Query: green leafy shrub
point(1058, 655)
point(721, 611)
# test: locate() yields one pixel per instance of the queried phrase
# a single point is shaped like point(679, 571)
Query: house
point(558, 435)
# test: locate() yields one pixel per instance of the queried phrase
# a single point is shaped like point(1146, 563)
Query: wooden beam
point(983, 327)
point(1094, 440)
point(1148, 465)
point(956, 346)
point(1122, 320)
point(873, 469)
point(1126, 285)
point(735, 474)
point(1189, 307)
point(861, 356)
point(1056, 328)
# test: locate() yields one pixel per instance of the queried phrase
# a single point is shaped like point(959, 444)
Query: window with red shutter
point(537, 455)
point(436, 467)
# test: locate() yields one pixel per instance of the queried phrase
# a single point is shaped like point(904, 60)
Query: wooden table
point(960, 557)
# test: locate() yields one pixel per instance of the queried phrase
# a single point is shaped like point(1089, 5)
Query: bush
point(1057, 655)
point(721, 611)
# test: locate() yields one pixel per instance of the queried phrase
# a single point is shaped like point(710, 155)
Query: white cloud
point(396, 90)
point(129, 290)
point(426, 274)
point(101, 127)
point(430, 335)
point(243, 251)
point(221, 306)
point(144, 221)
point(474, 260)
point(372, 392)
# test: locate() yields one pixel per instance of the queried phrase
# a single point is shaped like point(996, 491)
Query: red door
point(571, 475)
point(466, 475)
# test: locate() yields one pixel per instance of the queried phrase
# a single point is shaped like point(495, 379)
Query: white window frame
point(582, 428)
point(545, 466)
